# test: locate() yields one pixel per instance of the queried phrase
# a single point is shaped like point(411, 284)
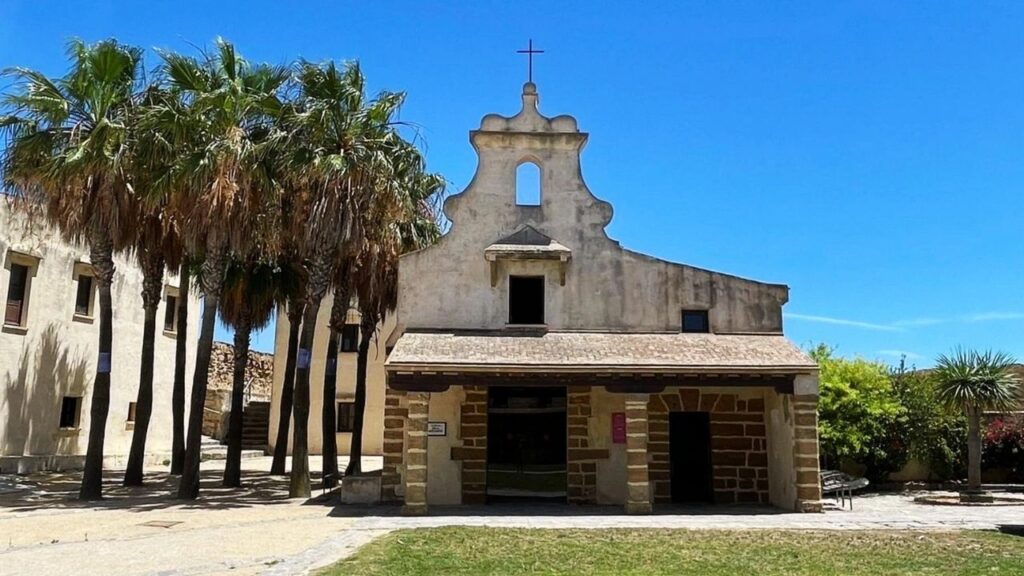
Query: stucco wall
point(781, 473)
point(607, 287)
point(54, 353)
point(373, 427)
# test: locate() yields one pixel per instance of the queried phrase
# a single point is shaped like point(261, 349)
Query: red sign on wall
point(618, 427)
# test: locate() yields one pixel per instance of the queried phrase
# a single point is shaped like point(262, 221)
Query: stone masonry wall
point(582, 459)
point(260, 370)
point(473, 453)
point(739, 444)
point(395, 414)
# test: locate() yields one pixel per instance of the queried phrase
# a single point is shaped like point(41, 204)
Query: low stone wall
point(739, 443)
point(259, 370)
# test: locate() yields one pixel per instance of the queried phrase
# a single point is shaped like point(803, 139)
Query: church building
point(534, 358)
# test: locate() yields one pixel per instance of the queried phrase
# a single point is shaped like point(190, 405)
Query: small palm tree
point(974, 382)
point(247, 304)
point(68, 147)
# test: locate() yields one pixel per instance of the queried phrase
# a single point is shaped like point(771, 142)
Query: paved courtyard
point(258, 530)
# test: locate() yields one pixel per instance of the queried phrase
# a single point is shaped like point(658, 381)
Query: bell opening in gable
point(528, 184)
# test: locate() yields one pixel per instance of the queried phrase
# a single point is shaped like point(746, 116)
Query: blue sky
point(870, 156)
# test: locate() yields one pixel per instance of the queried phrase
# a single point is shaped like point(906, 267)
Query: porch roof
point(597, 352)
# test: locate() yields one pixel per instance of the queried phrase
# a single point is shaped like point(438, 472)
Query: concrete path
point(258, 530)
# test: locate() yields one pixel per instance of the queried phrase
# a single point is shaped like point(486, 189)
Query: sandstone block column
point(416, 454)
point(394, 442)
point(638, 493)
point(805, 444)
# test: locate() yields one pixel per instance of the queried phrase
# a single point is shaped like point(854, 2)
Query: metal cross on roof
point(530, 52)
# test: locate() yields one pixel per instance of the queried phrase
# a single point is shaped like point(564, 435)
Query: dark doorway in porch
point(526, 444)
point(690, 457)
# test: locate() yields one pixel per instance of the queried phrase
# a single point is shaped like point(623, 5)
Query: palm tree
point(337, 151)
point(223, 121)
point(294, 310)
point(246, 305)
point(339, 312)
point(180, 360)
point(407, 221)
point(67, 147)
point(157, 246)
point(974, 382)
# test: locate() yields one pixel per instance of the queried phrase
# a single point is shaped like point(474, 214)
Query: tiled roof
point(598, 350)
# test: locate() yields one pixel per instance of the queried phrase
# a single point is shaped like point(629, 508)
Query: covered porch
point(648, 418)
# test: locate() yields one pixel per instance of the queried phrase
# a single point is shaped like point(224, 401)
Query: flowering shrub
point(1003, 446)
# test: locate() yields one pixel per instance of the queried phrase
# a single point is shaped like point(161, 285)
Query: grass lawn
point(480, 551)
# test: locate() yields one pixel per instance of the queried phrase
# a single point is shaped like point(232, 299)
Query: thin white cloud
point(904, 325)
point(843, 322)
point(993, 316)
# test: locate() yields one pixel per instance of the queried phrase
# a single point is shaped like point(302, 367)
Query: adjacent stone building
point(48, 352)
point(534, 357)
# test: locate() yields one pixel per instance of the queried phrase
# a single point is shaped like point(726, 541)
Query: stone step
point(221, 453)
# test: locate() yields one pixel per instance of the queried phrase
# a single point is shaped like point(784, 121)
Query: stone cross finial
point(529, 53)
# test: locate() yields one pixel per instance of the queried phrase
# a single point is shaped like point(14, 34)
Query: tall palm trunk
point(213, 282)
point(233, 465)
point(180, 360)
point(316, 288)
point(101, 255)
point(973, 449)
point(339, 311)
point(295, 309)
point(355, 454)
point(329, 429)
point(152, 285)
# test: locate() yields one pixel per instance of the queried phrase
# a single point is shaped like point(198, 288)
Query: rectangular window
point(83, 298)
point(171, 313)
point(695, 321)
point(69, 406)
point(525, 299)
point(14, 314)
point(131, 412)
point(346, 416)
point(349, 338)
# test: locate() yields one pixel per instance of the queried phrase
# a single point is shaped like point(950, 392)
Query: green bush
point(860, 417)
point(934, 435)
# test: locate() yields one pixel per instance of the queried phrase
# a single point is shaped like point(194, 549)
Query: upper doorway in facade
point(690, 457)
point(526, 443)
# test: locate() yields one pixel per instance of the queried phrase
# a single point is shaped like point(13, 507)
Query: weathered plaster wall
point(607, 287)
point(54, 353)
point(373, 425)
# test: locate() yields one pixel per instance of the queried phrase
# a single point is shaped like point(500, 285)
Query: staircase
point(255, 425)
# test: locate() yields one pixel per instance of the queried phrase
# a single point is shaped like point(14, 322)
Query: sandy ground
point(257, 529)
point(251, 530)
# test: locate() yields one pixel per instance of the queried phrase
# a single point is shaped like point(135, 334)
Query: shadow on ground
point(554, 510)
point(57, 491)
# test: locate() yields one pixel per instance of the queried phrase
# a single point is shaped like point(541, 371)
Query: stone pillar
point(581, 480)
point(416, 454)
point(638, 493)
point(394, 442)
point(473, 430)
point(805, 444)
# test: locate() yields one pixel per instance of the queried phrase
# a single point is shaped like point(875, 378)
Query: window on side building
point(17, 292)
point(170, 313)
point(346, 416)
point(83, 296)
point(349, 338)
point(70, 407)
point(525, 299)
point(695, 321)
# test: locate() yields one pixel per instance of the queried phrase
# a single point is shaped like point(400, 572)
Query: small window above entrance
point(695, 321)
point(525, 299)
